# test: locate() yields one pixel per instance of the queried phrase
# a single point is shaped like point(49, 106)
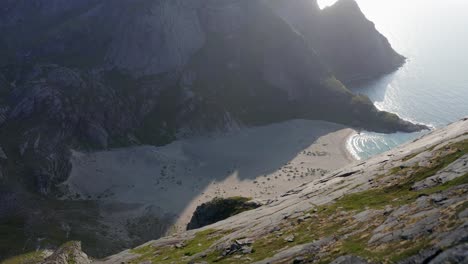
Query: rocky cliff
point(99, 74)
point(340, 34)
point(408, 205)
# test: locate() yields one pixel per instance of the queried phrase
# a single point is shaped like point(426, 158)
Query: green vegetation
point(329, 220)
point(19, 234)
point(12, 236)
point(391, 252)
point(319, 226)
point(335, 86)
point(324, 221)
point(442, 159)
point(28, 258)
point(202, 241)
point(400, 193)
point(410, 156)
point(69, 249)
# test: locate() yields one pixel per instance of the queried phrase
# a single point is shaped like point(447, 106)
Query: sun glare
point(324, 3)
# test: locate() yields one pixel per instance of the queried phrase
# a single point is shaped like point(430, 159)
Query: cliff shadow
point(149, 188)
point(375, 88)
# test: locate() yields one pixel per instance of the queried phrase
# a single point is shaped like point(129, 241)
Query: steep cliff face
point(344, 28)
point(404, 206)
point(99, 74)
point(348, 43)
point(245, 44)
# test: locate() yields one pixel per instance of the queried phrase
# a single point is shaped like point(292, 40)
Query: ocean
point(432, 87)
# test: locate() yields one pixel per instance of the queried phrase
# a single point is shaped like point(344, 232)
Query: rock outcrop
point(69, 253)
point(364, 213)
point(219, 209)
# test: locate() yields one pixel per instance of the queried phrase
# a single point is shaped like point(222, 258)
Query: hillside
point(408, 205)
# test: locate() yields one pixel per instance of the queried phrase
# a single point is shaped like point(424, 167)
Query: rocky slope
point(408, 205)
point(97, 74)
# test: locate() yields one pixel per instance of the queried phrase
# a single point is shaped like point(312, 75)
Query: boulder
point(69, 253)
point(219, 209)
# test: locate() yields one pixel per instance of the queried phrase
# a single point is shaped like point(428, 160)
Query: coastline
point(347, 148)
point(260, 162)
point(337, 147)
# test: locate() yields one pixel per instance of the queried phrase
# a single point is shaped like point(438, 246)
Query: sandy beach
point(260, 162)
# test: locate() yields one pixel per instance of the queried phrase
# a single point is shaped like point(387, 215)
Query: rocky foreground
point(408, 205)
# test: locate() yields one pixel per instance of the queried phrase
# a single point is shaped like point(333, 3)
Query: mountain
point(99, 74)
point(342, 36)
point(404, 206)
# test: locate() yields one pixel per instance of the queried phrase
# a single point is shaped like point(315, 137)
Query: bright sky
point(399, 19)
point(324, 3)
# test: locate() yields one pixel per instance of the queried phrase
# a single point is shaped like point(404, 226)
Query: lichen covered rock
point(69, 253)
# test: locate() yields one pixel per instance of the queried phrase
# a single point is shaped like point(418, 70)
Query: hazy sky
point(436, 22)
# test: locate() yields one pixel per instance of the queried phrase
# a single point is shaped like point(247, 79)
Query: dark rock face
point(342, 36)
point(92, 83)
point(458, 254)
point(219, 209)
point(345, 27)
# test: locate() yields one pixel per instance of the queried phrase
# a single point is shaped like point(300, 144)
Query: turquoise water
point(432, 87)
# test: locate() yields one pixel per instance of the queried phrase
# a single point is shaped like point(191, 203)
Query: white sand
point(261, 162)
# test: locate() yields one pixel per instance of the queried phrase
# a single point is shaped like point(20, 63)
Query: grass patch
point(170, 254)
point(391, 253)
point(394, 195)
point(28, 258)
point(327, 222)
point(455, 182)
point(334, 219)
point(410, 156)
point(400, 193)
point(319, 225)
point(12, 236)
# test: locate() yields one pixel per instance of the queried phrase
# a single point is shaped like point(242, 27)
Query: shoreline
point(347, 148)
point(342, 136)
point(259, 162)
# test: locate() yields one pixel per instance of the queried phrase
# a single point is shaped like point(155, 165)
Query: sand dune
point(260, 162)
